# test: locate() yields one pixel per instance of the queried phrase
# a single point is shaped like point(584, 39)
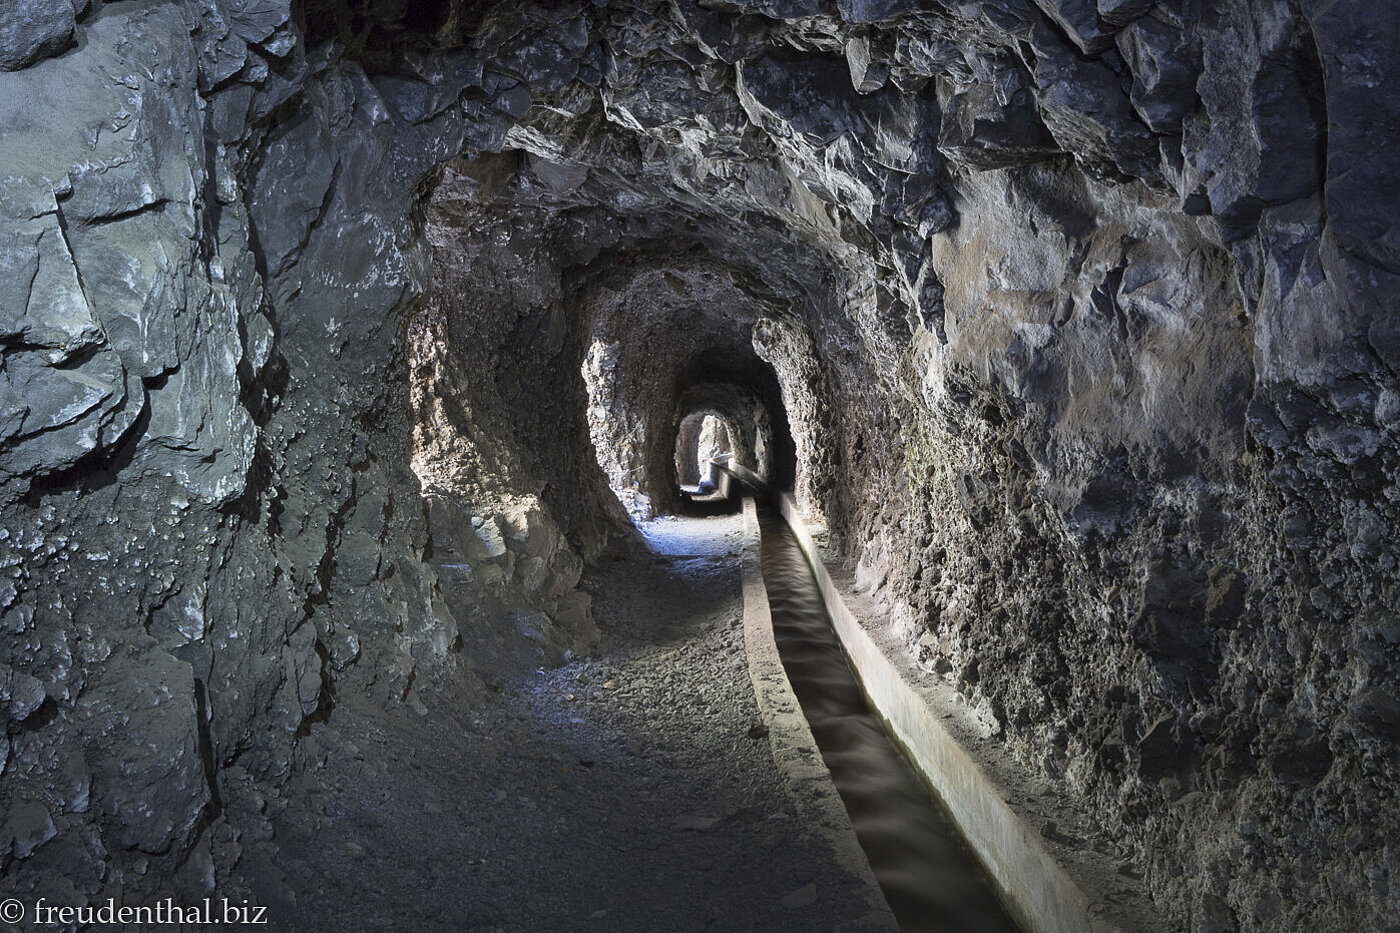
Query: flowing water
point(929, 878)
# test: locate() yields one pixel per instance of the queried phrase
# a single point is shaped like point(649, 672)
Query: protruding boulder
point(32, 30)
point(983, 132)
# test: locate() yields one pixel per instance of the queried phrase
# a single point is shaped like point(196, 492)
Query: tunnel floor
point(621, 792)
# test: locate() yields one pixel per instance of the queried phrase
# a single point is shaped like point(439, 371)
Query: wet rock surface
point(1080, 316)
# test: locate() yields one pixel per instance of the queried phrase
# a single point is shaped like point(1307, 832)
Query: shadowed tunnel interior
point(350, 355)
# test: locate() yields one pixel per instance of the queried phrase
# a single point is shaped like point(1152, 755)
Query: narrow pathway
point(626, 792)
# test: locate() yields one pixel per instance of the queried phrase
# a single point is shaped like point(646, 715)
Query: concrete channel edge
point(1037, 890)
point(794, 749)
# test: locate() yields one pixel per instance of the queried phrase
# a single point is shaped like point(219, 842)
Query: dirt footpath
point(629, 791)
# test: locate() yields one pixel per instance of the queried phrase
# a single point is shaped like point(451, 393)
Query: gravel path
point(629, 791)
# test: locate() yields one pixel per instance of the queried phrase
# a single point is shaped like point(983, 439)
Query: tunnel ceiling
point(1080, 315)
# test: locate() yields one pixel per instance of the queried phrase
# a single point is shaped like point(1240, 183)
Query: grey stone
point(143, 702)
point(1164, 73)
point(870, 11)
point(32, 30)
point(1083, 349)
point(513, 102)
point(980, 131)
point(20, 694)
point(256, 20)
point(1122, 12)
point(1080, 19)
point(29, 826)
point(866, 75)
point(1087, 112)
point(57, 315)
point(19, 263)
point(781, 9)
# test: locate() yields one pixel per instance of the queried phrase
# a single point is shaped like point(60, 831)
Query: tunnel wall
point(501, 444)
point(1093, 304)
point(211, 525)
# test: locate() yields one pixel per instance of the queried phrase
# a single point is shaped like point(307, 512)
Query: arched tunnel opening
point(693, 351)
point(729, 406)
point(702, 447)
point(701, 437)
point(744, 391)
point(372, 381)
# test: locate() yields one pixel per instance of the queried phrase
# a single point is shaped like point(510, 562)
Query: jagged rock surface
point(1082, 315)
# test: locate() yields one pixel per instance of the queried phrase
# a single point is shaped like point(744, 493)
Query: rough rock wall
point(210, 521)
point(1144, 526)
point(1093, 304)
point(131, 329)
point(501, 444)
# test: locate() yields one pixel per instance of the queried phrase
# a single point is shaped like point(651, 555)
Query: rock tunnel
point(357, 357)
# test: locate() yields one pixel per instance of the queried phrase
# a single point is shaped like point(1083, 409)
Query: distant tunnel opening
point(667, 339)
point(746, 391)
point(654, 437)
point(703, 436)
